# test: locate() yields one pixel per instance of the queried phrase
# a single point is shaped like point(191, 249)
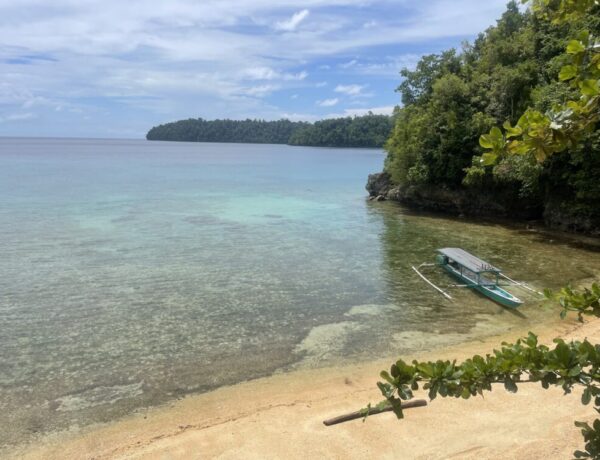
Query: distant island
point(360, 131)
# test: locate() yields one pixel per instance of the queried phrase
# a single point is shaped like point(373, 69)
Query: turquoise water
point(133, 273)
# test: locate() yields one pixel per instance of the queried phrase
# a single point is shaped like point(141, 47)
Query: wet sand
point(281, 417)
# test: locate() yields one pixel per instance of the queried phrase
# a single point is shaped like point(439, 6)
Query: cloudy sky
point(115, 68)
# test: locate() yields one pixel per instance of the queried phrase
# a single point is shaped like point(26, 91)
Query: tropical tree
point(540, 135)
point(451, 98)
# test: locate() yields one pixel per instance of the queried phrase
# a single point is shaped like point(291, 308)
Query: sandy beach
point(281, 417)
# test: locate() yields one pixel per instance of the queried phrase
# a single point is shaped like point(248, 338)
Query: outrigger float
point(476, 274)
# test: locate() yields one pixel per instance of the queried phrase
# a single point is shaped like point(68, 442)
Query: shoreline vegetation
point(434, 157)
point(239, 421)
point(369, 131)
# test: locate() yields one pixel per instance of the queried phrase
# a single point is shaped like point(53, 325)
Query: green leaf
point(568, 72)
point(384, 375)
point(575, 47)
point(584, 37)
point(512, 131)
point(485, 141)
point(532, 340)
point(489, 159)
point(518, 148)
point(493, 140)
point(496, 134)
point(397, 408)
point(386, 389)
point(589, 87)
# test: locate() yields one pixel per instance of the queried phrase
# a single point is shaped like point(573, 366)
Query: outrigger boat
point(476, 274)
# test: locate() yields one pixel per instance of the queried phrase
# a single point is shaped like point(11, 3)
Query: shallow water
point(136, 272)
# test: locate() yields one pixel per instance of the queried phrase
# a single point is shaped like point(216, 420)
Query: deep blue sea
point(135, 272)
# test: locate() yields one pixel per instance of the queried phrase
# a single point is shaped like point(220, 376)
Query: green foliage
point(560, 11)
point(566, 365)
point(591, 436)
point(366, 131)
point(585, 303)
point(251, 131)
point(508, 77)
point(540, 135)
point(418, 84)
point(450, 98)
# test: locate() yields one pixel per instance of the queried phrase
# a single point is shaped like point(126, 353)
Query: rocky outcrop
point(466, 202)
point(569, 218)
point(499, 203)
point(379, 184)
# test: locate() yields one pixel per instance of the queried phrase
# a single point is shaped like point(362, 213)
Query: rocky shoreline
point(476, 203)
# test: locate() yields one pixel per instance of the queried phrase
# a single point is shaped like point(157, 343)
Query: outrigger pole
point(524, 286)
point(445, 294)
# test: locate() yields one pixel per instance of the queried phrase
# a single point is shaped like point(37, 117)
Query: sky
point(115, 68)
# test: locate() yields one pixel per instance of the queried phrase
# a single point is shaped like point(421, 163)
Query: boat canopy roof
point(467, 260)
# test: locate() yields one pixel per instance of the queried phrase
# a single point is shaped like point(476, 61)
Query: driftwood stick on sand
point(372, 411)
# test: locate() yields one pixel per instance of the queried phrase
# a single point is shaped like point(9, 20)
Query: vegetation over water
point(451, 98)
point(365, 131)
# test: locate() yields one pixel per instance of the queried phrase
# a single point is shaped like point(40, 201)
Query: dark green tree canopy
point(452, 98)
point(365, 131)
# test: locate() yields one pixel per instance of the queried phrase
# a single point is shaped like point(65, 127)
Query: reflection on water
point(134, 272)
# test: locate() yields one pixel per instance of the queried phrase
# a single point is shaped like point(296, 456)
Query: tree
point(539, 135)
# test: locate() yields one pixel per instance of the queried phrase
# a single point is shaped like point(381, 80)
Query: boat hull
point(496, 293)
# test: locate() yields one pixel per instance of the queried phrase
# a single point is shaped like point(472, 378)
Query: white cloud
point(260, 73)
point(320, 84)
point(350, 90)
point(347, 65)
point(260, 91)
point(328, 102)
point(267, 73)
point(291, 24)
point(298, 76)
point(390, 66)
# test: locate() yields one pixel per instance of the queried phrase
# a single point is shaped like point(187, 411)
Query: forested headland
point(450, 99)
point(362, 131)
